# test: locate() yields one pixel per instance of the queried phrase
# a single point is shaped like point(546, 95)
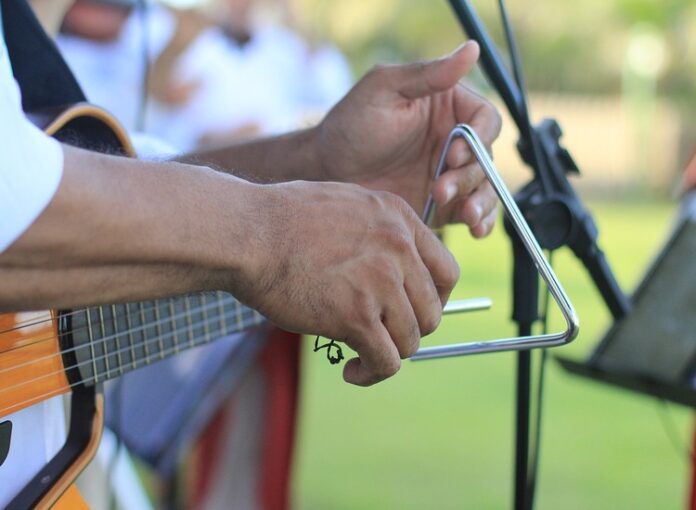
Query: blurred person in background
point(105, 44)
point(241, 76)
point(210, 84)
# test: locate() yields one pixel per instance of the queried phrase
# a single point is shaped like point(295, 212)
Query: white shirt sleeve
point(31, 163)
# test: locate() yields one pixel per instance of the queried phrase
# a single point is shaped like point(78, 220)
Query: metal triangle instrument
point(522, 228)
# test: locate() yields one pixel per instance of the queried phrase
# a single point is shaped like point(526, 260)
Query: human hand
point(349, 264)
point(388, 132)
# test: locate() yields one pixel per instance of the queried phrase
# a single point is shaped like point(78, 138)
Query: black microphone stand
point(555, 214)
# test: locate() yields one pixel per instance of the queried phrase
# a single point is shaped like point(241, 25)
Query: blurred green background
point(571, 46)
point(619, 75)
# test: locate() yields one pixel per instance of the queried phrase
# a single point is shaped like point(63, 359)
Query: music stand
point(652, 350)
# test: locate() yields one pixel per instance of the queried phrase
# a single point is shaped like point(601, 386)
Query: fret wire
point(76, 347)
point(144, 333)
point(250, 318)
point(253, 319)
point(174, 328)
point(91, 344)
point(104, 335)
point(131, 342)
point(187, 307)
point(245, 317)
point(83, 327)
point(118, 343)
point(158, 329)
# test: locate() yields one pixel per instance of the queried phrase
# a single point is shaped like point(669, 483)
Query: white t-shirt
point(31, 165)
point(273, 83)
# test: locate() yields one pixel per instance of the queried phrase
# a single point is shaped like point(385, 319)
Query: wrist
point(237, 247)
point(308, 164)
point(225, 242)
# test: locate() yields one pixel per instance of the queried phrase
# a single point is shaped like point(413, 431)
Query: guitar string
point(219, 302)
point(253, 317)
point(256, 321)
point(88, 311)
point(104, 340)
point(113, 336)
point(157, 302)
point(126, 315)
point(221, 299)
point(39, 398)
point(57, 336)
point(36, 322)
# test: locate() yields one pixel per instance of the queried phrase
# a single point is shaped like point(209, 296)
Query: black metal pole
point(522, 407)
point(525, 312)
point(557, 217)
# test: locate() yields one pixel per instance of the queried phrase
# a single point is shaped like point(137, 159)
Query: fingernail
point(478, 213)
point(463, 45)
point(450, 192)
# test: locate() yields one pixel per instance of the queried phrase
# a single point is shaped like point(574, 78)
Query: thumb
point(426, 78)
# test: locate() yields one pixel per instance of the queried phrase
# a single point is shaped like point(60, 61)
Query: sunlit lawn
point(439, 434)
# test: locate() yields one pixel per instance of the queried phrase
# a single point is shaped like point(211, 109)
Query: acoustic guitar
point(49, 353)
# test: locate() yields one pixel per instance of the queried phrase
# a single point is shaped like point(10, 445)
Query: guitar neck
point(108, 341)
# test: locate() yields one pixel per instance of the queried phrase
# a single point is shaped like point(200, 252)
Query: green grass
point(439, 434)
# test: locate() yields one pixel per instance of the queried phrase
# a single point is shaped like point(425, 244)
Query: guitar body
point(32, 344)
point(34, 365)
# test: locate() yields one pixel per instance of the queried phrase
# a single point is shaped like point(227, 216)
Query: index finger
point(441, 265)
point(473, 109)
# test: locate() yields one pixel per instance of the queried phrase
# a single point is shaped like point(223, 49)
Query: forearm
point(282, 158)
point(113, 217)
point(37, 289)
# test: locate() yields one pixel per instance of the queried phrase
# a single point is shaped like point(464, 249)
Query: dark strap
point(47, 84)
point(43, 76)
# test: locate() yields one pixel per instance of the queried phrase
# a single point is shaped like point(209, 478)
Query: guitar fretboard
point(113, 339)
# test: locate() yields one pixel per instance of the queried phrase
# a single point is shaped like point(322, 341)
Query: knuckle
point(363, 313)
point(396, 238)
point(387, 271)
point(430, 322)
point(390, 200)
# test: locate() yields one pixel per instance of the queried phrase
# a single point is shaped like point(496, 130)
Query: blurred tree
point(566, 46)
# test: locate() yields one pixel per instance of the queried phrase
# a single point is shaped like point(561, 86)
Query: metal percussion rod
point(467, 305)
